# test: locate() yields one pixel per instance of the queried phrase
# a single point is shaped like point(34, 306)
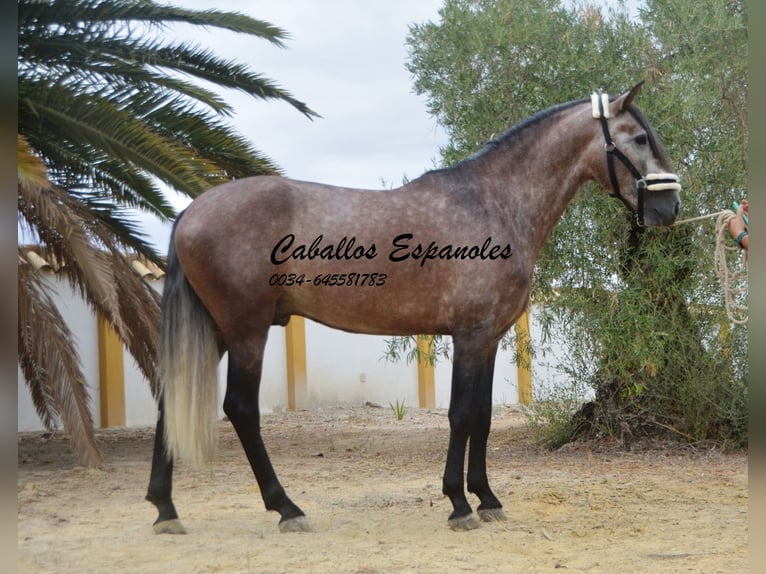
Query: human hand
point(738, 225)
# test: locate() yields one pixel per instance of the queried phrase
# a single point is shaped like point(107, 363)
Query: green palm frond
point(94, 16)
point(86, 120)
point(88, 172)
point(123, 228)
point(92, 41)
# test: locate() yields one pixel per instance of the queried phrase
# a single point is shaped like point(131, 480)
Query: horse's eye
point(641, 139)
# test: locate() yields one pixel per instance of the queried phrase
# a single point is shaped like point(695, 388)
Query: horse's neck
point(533, 178)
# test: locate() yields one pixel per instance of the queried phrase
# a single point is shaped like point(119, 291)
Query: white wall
point(348, 369)
point(140, 407)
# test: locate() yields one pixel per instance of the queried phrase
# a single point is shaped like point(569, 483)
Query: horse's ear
point(622, 103)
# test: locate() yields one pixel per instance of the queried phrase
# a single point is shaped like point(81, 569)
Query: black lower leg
point(241, 406)
point(274, 495)
point(460, 418)
point(160, 488)
point(452, 485)
point(477, 480)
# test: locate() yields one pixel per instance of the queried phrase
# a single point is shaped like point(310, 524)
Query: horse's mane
point(512, 132)
point(509, 134)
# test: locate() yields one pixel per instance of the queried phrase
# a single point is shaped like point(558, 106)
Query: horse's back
point(351, 259)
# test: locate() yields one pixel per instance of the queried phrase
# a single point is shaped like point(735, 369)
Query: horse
point(450, 253)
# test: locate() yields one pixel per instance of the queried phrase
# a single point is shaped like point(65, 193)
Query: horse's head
point(636, 167)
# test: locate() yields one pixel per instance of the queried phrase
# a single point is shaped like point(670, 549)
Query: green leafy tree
point(110, 107)
point(641, 309)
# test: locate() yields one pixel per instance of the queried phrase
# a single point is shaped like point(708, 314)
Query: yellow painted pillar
point(295, 346)
point(524, 367)
point(426, 385)
point(111, 375)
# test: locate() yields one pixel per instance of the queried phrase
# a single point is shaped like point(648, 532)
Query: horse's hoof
point(297, 524)
point(172, 526)
point(492, 515)
point(467, 522)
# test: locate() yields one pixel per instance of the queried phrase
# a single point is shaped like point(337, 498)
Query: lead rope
point(733, 281)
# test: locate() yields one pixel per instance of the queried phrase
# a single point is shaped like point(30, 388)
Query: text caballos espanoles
point(403, 248)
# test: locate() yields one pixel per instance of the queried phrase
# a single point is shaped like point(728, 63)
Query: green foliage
point(552, 417)
point(398, 409)
point(641, 310)
point(406, 347)
point(490, 63)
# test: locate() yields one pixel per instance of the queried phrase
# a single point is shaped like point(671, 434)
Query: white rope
point(701, 217)
point(733, 281)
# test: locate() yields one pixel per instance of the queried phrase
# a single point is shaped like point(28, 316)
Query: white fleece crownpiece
point(594, 98)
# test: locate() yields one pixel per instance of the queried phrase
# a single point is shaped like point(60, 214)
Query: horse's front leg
point(160, 488)
point(241, 405)
point(469, 381)
point(490, 508)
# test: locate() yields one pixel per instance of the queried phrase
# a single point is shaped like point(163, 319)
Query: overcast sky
point(345, 59)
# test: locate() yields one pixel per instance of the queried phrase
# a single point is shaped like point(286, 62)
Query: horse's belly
point(388, 304)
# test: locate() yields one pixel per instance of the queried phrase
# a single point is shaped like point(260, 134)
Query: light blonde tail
point(188, 362)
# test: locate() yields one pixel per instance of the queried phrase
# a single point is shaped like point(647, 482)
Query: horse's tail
point(188, 361)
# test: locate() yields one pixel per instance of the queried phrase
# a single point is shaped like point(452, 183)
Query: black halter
point(658, 181)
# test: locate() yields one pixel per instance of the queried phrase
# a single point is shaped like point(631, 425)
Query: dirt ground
point(371, 487)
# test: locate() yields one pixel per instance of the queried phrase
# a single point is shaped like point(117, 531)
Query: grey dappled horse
point(450, 253)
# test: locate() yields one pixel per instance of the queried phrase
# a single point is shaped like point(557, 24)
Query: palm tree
point(108, 109)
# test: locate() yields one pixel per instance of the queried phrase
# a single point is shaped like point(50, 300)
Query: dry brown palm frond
point(51, 367)
point(89, 255)
point(60, 222)
point(85, 251)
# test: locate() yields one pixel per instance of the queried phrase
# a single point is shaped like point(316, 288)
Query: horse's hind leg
point(242, 407)
point(490, 508)
point(161, 483)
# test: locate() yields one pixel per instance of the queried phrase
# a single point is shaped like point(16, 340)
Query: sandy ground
point(370, 486)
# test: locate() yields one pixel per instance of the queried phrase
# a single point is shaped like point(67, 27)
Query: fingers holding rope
point(733, 280)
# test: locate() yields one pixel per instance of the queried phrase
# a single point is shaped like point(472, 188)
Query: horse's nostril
point(677, 208)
